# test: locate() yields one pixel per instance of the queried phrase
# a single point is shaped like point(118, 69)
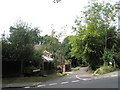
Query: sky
point(41, 13)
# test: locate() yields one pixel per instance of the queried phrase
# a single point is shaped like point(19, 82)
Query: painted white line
point(76, 81)
point(64, 82)
point(84, 79)
point(40, 85)
point(78, 77)
point(26, 87)
point(53, 84)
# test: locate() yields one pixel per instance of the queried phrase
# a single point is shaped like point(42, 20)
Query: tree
point(67, 51)
point(52, 45)
point(22, 39)
point(93, 33)
point(67, 48)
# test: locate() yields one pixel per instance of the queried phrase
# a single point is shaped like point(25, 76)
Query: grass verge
point(75, 69)
point(104, 70)
point(27, 79)
point(62, 74)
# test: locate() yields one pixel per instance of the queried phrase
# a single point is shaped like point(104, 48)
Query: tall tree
point(92, 33)
point(22, 39)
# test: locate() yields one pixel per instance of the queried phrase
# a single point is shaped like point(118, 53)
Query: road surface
point(81, 79)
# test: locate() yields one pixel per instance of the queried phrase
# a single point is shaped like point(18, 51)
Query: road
point(81, 79)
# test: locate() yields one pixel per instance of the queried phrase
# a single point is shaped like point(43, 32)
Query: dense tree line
point(19, 46)
point(96, 41)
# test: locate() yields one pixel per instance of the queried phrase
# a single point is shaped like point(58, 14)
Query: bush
point(28, 71)
point(90, 70)
point(104, 69)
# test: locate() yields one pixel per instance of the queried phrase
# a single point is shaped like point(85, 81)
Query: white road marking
point(84, 79)
point(76, 81)
point(26, 87)
point(40, 85)
point(53, 84)
point(78, 77)
point(95, 78)
point(64, 82)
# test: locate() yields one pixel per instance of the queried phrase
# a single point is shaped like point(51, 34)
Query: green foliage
point(20, 45)
point(94, 33)
point(21, 39)
point(52, 45)
point(104, 70)
point(29, 70)
point(37, 58)
point(67, 47)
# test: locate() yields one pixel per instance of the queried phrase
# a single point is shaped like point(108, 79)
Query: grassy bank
point(102, 70)
point(75, 69)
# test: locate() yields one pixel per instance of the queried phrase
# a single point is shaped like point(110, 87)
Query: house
point(48, 64)
point(47, 56)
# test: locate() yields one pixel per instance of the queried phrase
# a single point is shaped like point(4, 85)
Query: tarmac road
point(82, 79)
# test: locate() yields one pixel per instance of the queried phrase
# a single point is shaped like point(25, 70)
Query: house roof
point(47, 58)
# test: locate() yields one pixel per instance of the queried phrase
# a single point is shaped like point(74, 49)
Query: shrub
point(29, 70)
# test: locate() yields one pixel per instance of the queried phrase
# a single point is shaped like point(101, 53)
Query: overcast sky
point(40, 13)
